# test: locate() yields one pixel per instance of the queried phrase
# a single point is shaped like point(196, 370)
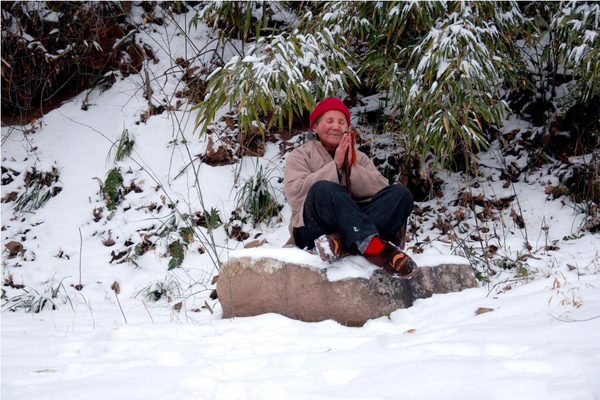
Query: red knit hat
point(330, 103)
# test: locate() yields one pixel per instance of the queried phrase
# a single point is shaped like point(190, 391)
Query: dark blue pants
point(330, 209)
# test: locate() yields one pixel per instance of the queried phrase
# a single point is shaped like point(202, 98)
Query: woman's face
point(330, 128)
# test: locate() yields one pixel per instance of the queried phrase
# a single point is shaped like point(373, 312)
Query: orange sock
point(375, 246)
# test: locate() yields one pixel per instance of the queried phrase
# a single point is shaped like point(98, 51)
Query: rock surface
point(248, 287)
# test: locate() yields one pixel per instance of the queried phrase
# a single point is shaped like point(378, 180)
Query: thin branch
point(575, 320)
point(80, 251)
point(121, 308)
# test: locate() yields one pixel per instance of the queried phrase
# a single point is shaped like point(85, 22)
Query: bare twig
point(117, 289)
point(80, 251)
point(148, 311)
point(574, 320)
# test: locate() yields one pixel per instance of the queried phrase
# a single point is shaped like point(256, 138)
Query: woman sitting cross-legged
point(341, 204)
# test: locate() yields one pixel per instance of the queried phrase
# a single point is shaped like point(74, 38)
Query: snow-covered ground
point(438, 348)
point(540, 338)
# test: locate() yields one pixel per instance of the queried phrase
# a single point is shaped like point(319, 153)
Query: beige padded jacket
point(311, 163)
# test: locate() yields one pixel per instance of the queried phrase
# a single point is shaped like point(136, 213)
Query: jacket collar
point(321, 149)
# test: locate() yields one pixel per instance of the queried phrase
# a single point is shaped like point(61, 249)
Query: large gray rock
point(248, 287)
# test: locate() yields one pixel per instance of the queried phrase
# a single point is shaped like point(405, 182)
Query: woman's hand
point(343, 150)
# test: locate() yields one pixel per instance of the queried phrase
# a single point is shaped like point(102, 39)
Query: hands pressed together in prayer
point(344, 149)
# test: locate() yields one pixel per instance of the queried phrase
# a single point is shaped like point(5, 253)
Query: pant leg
point(330, 209)
point(389, 209)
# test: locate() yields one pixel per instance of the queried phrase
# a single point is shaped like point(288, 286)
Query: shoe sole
point(408, 276)
point(404, 257)
point(323, 246)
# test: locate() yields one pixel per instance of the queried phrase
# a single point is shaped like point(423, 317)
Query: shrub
point(124, 146)
point(239, 19)
point(577, 29)
point(439, 67)
point(176, 250)
point(32, 301)
point(449, 91)
point(112, 189)
point(40, 187)
point(276, 80)
point(256, 196)
point(54, 49)
point(168, 289)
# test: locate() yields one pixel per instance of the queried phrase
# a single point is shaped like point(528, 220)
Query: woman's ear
point(314, 127)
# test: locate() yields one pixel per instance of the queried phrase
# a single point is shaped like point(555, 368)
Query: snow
point(590, 36)
point(345, 268)
point(253, 59)
point(41, 7)
point(437, 346)
point(539, 341)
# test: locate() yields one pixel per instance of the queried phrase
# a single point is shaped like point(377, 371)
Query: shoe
point(330, 247)
point(394, 261)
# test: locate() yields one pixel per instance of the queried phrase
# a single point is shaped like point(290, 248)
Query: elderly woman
point(341, 204)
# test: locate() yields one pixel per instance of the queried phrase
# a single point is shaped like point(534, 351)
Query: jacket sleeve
point(298, 177)
point(366, 178)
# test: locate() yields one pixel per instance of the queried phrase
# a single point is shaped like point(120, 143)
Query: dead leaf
point(177, 307)
point(116, 256)
point(254, 243)
point(571, 267)
point(98, 213)
point(410, 331)
point(459, 215)
point(483, 310)
point(518, 219)
point(238, 234)
point(14, 248)
point(12, 196)
point(210, 150)
point(556, 284)
point(116, 287)
point(209, 308)
point(229, 122)
point(214, 279)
